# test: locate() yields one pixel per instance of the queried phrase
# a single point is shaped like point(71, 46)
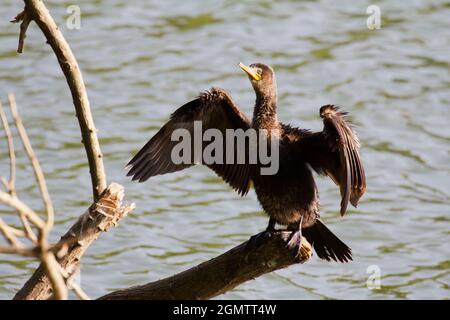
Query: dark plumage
point(289, 197)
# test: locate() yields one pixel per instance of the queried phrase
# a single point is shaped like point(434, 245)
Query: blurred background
point(142, 59)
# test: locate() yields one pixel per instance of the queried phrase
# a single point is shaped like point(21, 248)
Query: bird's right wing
point(335, 152)
point(215, 109)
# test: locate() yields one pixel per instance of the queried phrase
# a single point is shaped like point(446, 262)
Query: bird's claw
point(259, 239)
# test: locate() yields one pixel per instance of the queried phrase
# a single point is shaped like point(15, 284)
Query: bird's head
point(262, 78)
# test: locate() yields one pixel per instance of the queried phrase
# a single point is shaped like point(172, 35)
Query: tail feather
point(326, 244)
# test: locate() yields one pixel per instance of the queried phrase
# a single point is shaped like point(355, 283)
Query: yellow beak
point(252, 73)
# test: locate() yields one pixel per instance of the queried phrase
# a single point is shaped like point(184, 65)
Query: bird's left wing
point(335, 152)
point(214, 109)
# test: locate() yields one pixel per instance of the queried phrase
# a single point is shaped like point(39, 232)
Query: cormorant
point(290, 196)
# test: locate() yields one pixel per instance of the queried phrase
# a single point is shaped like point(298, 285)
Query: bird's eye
point(259, 72)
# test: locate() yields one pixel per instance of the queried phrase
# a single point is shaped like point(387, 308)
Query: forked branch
point(98, 218)
point(40, 249)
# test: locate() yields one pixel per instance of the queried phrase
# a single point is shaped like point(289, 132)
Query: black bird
point(290, 196)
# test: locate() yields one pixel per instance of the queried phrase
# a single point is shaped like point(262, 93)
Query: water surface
point(142, 59)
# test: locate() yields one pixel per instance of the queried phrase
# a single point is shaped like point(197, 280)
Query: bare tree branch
point(245, 262)
point(41, 249)
point(50, 273)
point(100, 217)
point(11, 183)
point(36, 10)
point(38, 173)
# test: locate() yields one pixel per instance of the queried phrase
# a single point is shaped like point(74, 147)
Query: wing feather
point(215, 109)
point(335, 152)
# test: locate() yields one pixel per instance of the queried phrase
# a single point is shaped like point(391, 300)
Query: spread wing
point(335, 152)
point(214, 109)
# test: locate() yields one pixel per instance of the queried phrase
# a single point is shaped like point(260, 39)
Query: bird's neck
point(265, 112)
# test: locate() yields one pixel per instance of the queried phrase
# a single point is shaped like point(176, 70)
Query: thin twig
point(5, 183)
point(74, 286)
point(12, 153)
point(9, 234)
point(40, 179)
point(17, 232)
point(42, 249)
point(79, 292)
point(25, 20)
point(19, 251)
point(15, 203)
point(11, 183)
point(29, 233)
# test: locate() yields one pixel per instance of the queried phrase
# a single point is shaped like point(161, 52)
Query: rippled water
point(142, 59)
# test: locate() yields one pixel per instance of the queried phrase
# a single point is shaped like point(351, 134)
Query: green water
point(142, 59)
